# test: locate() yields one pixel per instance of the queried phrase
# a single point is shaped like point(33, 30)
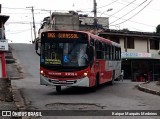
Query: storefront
point(140, 66)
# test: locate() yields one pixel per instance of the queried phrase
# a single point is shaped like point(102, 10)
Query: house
point(140, 53)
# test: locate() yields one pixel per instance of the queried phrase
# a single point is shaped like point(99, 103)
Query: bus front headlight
point(41, 72)
point(85, 74)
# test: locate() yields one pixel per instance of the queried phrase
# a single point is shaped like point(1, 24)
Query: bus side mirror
point(36, 45)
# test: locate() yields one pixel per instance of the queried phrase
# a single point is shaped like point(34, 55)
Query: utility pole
point(34, 27)
point(0, 8)
point(31, 32)
point(95, 16)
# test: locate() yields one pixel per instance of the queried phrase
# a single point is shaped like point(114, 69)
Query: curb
point(147, 90)
point(18, 98)
point(19, 102)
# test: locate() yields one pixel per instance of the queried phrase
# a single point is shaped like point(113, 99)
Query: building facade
point(60, 21)
point(140, 53)
point(73, 21)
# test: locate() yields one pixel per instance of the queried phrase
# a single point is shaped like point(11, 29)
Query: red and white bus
point(77, 58)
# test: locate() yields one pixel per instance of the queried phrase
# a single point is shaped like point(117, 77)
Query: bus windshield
point(66, 54)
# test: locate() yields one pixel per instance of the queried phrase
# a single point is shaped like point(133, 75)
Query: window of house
point(130, 42)
point(154, 44)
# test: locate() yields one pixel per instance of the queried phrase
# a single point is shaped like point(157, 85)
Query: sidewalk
point(150, 87)
point(7, 92)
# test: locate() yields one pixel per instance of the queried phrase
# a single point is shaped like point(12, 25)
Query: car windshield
point(64, 54)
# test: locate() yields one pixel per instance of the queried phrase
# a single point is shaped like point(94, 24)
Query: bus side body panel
point(106, 70)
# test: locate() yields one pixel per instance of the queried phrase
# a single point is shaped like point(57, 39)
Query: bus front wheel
point(94, 88)
point(58, 89)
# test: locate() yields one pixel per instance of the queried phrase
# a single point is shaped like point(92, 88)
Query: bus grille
point(62, 81)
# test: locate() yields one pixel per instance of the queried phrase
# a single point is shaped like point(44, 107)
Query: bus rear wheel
point(112, 81)
point(58, 89)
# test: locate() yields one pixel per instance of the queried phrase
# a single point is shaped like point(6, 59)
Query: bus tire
point(94, 88)
point(113, 78)
point(58, 89)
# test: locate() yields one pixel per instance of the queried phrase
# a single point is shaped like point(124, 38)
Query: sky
point(135, 15)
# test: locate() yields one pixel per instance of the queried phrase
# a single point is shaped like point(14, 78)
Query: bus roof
point(91, 35)
point(105, 40)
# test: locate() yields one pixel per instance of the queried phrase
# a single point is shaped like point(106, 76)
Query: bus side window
point(98, 49)
point(97, 45)
point(103, 46)
point(106, 51)
point(119, 50)
point(92, 42)
point(113, 53)
point(116, 53)
point(102, 51)
point(110, 52)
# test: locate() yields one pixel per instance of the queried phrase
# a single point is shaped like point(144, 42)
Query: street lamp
point(110, 9)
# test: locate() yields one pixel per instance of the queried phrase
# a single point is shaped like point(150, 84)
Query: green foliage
point(125, 29)
point(158, 29)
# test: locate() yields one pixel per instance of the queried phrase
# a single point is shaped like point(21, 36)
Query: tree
point(158, 29)
point(125, 29)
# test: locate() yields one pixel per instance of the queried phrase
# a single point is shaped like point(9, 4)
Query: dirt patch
point(5, 90)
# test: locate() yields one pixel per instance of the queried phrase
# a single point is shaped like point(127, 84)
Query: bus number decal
point(67, 35)
point(51, 35)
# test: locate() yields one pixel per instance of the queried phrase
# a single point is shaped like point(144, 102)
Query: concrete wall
point(103, 21)
point(66, 22)
point(140, 45)
point(122, 44)
point(60, 21)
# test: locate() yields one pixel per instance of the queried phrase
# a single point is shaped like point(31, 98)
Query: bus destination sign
point(63, 35)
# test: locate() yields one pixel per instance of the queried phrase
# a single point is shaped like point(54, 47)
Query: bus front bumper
point(83, 82)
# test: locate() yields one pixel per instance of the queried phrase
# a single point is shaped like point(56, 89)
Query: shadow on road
point(80, 90)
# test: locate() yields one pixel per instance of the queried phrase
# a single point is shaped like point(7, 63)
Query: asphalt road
point(121, 96)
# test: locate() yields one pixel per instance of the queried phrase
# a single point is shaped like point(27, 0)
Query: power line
point(21, 22)
point(129, 11)
point(14, 8)
point(122, 8)
point(148, 8)
point(19, 31)
point(133, 22)
point(133, 15)
point(29, 9)
point(107, 4)
point(98, 7)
